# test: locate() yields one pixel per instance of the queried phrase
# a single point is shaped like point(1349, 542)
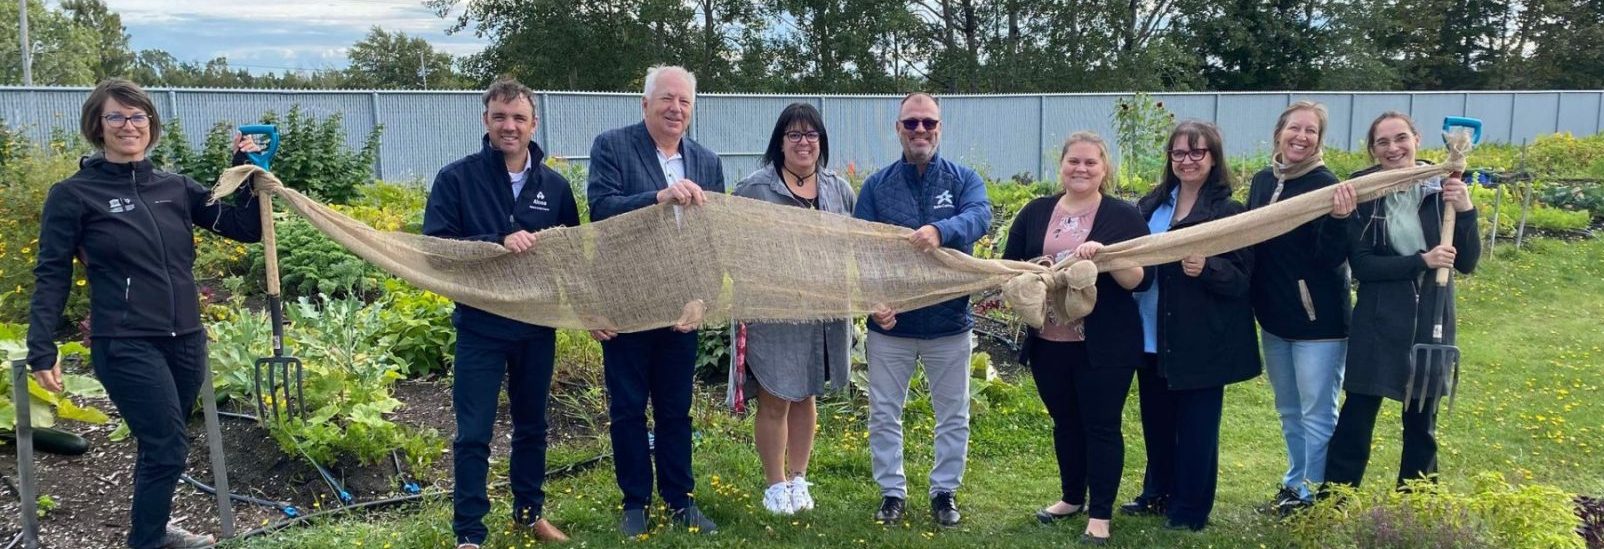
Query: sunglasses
point(912, 124)
point(1196, 155)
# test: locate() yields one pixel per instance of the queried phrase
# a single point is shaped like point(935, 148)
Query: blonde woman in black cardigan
point(1083, 368)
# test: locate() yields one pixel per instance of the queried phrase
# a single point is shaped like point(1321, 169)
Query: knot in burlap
point(1069, 290)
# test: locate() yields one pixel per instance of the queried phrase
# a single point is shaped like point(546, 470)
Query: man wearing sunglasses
point(946, 206)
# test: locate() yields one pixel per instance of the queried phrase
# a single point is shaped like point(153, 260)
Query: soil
point(92, 491)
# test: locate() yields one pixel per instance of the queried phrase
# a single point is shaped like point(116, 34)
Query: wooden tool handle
point(1448, 215)
point(269, 241)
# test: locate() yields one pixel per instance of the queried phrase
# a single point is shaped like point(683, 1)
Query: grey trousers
point(891, 365)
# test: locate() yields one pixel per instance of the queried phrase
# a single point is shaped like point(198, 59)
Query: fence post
point(1041, 138)
point(545, 125)
point(378, 159)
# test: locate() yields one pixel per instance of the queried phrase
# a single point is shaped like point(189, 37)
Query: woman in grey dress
point(789, 364)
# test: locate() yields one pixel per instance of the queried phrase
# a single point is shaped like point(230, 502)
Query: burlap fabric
point(742, 259)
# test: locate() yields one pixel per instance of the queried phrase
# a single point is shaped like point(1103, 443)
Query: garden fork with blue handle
point(1436, 364)
point(271, 377)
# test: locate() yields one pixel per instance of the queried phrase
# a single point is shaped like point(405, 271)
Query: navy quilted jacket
point(950, 197)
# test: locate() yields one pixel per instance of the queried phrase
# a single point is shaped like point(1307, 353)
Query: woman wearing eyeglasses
point(1198, 330)
point(789, 364)
point(1396, 251)
point(133, 227)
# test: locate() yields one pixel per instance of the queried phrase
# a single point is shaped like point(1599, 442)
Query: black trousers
point(481, 364)
point(1356, 425)
point(153, 381)
point(659, 367)
point(1158, 431)
point(1085, 403)
point(1182, 430)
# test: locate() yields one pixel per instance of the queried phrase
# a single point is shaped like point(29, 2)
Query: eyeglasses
point(1196, 155)
point(117, 120)
point(912, 124)
point(797, 137)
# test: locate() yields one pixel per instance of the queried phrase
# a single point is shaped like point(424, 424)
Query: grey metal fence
point(1001, 135)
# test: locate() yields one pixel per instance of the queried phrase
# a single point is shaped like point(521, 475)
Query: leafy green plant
point(44, 505)
point(1575, 196)
point(419, 323)
point(574, 172)
point(350, 371)
point(46, 407)
point(713, 353)
point(310, 264)
point(25, 179)
point(1494, 513)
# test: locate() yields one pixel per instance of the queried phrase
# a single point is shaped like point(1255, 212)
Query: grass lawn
point(1531, 408)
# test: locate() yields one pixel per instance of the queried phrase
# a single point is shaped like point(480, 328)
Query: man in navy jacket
point(635, 167)
point(946, 205)
point(503, 194)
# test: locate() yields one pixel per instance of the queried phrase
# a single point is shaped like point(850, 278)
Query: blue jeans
point(1306, 377)
point(481, 363)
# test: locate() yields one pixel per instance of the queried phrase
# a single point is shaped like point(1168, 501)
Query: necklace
point(801, 180)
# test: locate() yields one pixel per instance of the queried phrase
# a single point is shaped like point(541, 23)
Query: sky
point(276, 35)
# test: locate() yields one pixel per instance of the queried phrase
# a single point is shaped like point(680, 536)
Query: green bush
point(26, 175)
point(313, 157)
point(1494, 513)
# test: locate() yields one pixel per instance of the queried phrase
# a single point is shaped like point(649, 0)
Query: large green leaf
point(67, 410)
point(84, 386)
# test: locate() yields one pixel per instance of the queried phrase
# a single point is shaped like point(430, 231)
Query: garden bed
point(91, 493)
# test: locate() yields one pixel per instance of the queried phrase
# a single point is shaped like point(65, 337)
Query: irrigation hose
point(566, 470)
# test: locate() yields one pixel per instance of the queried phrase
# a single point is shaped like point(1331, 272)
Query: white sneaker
point(777, 499)
point(801, 500)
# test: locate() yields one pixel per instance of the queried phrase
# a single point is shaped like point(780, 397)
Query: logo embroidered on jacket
point(944, 200)
point(120, 205)
point(539, 202)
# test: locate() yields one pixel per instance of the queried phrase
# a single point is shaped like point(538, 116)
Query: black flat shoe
point(1171, 525)
point(1145, 507)
point(1089, 539)
point(1048, 517)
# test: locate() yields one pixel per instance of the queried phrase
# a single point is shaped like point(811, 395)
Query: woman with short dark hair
point(790, 364)
point(132, 225)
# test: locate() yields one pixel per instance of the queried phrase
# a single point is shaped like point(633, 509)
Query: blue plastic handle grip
point(264, 157)
point(1451, 122)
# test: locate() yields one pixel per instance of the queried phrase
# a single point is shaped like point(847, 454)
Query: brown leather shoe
point(545, 532)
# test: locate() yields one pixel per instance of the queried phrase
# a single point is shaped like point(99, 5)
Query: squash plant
point(46, 406)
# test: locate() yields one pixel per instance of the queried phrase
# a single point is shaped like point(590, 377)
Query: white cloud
point(403, 15)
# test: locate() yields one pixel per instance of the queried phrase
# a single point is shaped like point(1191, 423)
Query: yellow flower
point(81, 282)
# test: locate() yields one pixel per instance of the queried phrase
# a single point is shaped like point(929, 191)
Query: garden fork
point(1436, 364)
point(276, 370)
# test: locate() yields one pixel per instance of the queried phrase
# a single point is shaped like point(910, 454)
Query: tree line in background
point(883, 46)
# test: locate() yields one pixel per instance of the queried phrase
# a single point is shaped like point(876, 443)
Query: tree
point(110, 47)
point(61, 52)
point(553, 44)
point(387, 60)
point(1249, 45)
